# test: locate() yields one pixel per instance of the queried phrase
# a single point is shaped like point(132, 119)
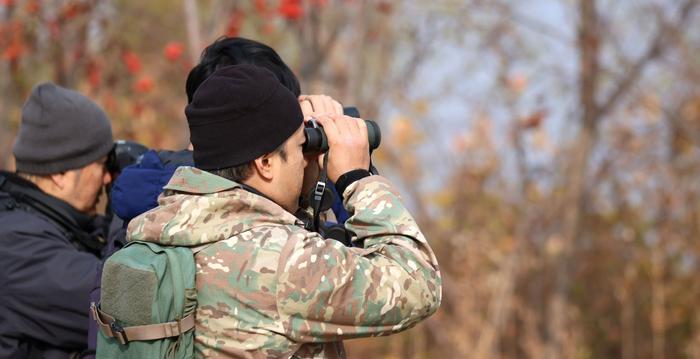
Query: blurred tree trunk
point(593, 108)
point(194, 37)
point(573, 201)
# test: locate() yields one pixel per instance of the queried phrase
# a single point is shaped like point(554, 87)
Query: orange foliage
point(72, 9)
point(32, 7)
point(267, 28)
point(69, 11)
point(54, 29)
point(234, 23)
point(132, 62)
point(385, 7)
point(144, 84)
point(173, 50)
point(94, 75)
point(534, 120)
point(261, 7)
point(517, 83)
point(291, 9)
point(15, 46)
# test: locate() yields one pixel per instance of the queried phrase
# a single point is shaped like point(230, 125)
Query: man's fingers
point(320, 104)
point(306, 107)
point(329, 125)
point(338, 107)
point(362, 125)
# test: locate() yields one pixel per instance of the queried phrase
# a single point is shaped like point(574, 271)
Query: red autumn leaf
point(70, 11)
point(234, 24)
point(54, 28)
point(7, 3)
point(267, 28)
point(132, 62)
point(137, 109)
point(109, 103)
point(534, 120)
point(73, 9)
point(13, 52)
point(94, 75)
point(173, 50)
point(32, 7)
point(291, 9)
point(16, 47)
point(144, 84)
point(261, 7)
point(385, 7)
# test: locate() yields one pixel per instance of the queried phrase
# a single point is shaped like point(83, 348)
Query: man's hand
point(347, 143)
point(314, 104)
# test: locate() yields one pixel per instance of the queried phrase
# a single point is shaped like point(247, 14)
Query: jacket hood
point(137, 188)
point(198, 207)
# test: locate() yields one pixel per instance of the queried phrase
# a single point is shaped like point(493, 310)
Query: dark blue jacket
point(136, 189)
point(48, 269)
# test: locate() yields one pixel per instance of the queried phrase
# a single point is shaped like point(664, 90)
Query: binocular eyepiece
point(316, 140)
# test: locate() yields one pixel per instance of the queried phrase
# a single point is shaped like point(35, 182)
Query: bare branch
point(655, 49)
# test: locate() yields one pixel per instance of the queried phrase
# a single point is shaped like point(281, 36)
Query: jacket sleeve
point(329, 292)
point(45, 285)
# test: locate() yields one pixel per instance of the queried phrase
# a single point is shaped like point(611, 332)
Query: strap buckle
point(118, 332)
point(319, 190)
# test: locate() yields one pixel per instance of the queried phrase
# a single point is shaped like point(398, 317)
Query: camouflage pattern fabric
point(269, 288)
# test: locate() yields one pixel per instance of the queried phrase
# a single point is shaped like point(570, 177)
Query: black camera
point(316, 140)
point(123, 154)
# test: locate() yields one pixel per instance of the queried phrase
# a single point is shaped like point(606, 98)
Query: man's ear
point(263, 166)
point(59, 180)
point(65, 179)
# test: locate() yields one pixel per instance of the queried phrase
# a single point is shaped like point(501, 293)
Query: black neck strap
point(319, 192)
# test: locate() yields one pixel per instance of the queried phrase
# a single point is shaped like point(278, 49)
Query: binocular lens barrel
point(316, 140)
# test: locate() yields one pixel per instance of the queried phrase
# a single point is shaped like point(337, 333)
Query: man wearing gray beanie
point(50, 240)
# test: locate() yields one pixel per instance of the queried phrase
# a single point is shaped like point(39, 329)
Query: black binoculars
point(316, 140)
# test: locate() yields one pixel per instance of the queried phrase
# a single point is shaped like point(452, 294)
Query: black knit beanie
point(238, 114)
point(60, 130)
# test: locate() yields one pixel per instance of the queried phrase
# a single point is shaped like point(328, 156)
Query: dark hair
point(242, 172)
point(227, 51)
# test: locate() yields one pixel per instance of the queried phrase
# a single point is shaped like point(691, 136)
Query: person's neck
point(49, 188)
point(256, 187)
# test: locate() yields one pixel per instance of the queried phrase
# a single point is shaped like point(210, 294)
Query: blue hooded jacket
point(137, 188)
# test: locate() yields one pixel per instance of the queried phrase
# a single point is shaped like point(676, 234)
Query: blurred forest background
point(549, 148)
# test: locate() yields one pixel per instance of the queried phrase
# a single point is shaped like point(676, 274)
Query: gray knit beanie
point(60, 130)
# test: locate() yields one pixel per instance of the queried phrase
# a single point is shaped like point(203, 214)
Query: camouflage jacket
point(266, 287)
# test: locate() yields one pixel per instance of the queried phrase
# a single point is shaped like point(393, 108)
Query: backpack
point(148, 301)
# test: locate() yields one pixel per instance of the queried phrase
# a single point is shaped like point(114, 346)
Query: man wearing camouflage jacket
point(266, 287)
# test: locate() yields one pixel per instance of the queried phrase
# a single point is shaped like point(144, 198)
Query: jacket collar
point(199, 207)
point(56, 210)
point(193, 180)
